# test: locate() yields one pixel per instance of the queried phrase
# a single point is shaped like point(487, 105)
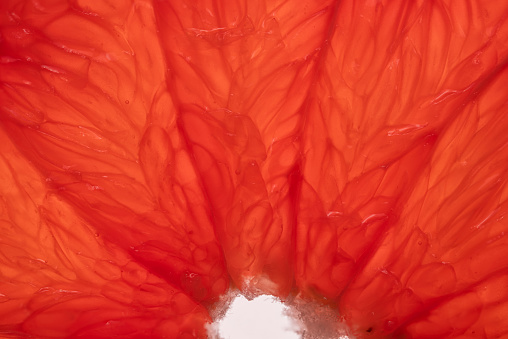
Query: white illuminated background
point(263, 317)
point(260, 318)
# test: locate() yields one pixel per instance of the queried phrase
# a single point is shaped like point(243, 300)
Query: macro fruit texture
point(156, 153)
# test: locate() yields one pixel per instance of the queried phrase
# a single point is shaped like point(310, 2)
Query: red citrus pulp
point(157, 153)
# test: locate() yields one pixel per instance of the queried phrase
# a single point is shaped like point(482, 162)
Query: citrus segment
point(348, 152)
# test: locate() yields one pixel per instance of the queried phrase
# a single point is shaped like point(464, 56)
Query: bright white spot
point(263, 317)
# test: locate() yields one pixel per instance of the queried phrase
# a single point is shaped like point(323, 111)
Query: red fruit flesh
point(156, 152)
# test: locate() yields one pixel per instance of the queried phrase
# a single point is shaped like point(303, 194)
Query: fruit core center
point(267, 317)
point(262, 317)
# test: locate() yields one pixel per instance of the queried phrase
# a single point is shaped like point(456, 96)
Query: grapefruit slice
point(157, 154)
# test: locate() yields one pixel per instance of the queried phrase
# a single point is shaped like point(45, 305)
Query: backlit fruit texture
point(154, 154)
